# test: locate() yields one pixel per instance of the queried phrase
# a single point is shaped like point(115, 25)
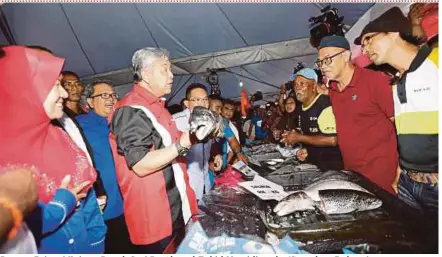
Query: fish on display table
point(313, 189)
point(297, 201)
point(346, 201)
point(331, 196)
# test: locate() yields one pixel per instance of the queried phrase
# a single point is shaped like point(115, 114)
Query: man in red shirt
point(148, 150)
point(363, 107)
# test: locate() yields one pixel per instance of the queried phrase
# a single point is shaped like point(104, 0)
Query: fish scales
point(346, 201)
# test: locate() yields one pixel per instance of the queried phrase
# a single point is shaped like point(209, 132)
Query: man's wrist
point(182, 150)
point(301, 138)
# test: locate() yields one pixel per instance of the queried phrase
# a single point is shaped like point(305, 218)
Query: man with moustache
point(71, 82)
point(315, 123)
point(385, 40)
point(363, 108)
point(230, 141)
point(101, 98)
point(148, 151)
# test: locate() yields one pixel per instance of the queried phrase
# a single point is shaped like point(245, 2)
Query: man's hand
point(283, 89)
point(415, 13)
point(395, 183)
point(102, 202)
point(219, 129)
point(277, 134)
point(290, 137)
point(20, 187)
point(242, 157)
point(302, 154)
point(217, 163)
point(185, 140)
point(202, 122)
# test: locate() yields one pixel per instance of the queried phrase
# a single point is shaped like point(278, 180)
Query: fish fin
point(278, 207)
point(321, 208)
point(326, 215)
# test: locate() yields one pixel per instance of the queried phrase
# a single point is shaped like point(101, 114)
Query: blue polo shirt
point(96, 131)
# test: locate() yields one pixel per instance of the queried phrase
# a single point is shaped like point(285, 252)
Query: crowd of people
point(125, 175)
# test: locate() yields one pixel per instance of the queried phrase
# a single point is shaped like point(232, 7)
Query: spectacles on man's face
point(368, 39)
point(199, 100)
point(106, 96)
point(328, 60)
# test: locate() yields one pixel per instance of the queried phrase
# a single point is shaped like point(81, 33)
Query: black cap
point(393, 20)
point(334, 41)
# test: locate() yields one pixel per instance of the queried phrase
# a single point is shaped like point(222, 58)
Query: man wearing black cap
point(415, 97)
point(362, 104)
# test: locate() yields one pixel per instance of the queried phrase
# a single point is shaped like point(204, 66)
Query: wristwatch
point(182, 151)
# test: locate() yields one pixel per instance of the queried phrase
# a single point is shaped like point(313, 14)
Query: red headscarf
point(27, 139)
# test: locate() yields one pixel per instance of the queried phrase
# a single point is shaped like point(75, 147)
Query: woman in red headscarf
point(30, 97)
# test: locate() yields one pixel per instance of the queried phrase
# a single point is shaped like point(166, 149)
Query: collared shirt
point(197, 158)
point(416, 104)
point(73, 114)
point(73, 129)
point(159, 204)
point(96, 130)
point(366, 135)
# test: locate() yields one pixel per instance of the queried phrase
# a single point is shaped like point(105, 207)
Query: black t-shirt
point(318, 120)
point(72, 114)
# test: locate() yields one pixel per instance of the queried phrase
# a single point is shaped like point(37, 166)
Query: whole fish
point(332, 183)
point(298, 201)
point(204, 122)
point(346, 200)
point(333, 174)
point(331, 201)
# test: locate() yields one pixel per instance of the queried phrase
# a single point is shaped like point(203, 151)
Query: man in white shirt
point(199, 154)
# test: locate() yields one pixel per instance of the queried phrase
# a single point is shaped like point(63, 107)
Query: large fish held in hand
point(204, 122)
point(331, 196)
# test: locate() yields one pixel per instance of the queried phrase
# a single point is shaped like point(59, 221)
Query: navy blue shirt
point(96, 131)
point(260, 132)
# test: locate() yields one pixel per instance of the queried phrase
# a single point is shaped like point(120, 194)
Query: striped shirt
point(416, 114)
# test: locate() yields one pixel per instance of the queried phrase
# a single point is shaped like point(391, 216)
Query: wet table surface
point(393, 228)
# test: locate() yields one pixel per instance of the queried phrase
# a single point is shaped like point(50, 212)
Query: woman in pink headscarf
point(30, 97)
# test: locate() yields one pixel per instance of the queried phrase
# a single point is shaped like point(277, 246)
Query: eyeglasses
point(197, 100)
point(367, 40)
point(106, 96)
point(327, 61)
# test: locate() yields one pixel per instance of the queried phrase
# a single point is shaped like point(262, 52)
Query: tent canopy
point(259, 41)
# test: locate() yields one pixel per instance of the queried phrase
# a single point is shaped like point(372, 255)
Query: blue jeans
point(423, 197)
